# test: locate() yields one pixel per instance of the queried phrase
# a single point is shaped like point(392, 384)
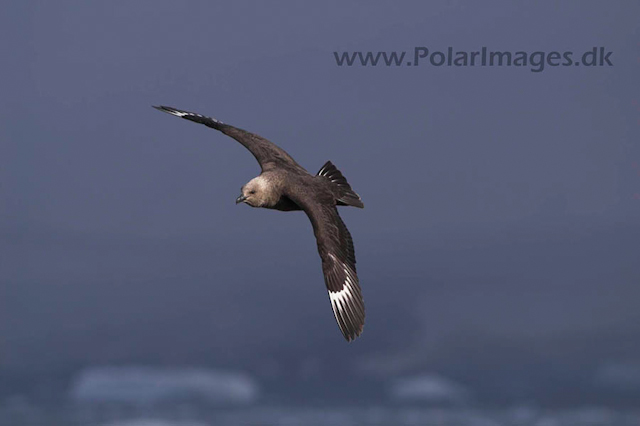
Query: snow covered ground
point(429, 388)
point(149, 385)
point(146, 396)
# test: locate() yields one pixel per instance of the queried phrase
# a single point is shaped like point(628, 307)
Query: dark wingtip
point(191, 116)
point(353, 333)
point(163, 108)
point(353, 336)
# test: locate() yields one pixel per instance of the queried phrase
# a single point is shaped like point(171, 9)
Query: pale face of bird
point(256, 193)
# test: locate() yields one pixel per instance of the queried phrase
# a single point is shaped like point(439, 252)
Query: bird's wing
point(338, 265)
point(268, 154)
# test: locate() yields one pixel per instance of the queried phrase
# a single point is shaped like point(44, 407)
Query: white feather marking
point(342, 295)
point(343, 301)
point(192, 114)
point(177, 113)
point(346, 293)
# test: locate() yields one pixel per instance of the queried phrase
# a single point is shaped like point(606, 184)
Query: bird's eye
point(252, 192)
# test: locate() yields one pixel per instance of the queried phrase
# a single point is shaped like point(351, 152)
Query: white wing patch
point(344, 289)
point(183, 114)
point(178, 113)
point(342, 301)
point(343, 295)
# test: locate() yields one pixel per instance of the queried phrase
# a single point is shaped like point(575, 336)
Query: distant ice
point(144, 385)
point(430, 388)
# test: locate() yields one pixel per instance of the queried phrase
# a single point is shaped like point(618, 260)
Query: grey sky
point(499, 202)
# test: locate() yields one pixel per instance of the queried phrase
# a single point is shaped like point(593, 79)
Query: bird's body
point(286, 186)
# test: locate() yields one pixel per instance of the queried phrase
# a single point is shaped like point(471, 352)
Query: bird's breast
point(286, 205)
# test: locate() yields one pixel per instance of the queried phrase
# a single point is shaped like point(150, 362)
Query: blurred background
point(498, 251)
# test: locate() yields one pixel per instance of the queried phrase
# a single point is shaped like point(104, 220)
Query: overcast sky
point(499, 201)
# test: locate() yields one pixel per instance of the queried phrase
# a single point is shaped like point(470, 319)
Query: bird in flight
point(285, 185)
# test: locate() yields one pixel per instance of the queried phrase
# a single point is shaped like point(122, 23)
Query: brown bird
point(287, 186)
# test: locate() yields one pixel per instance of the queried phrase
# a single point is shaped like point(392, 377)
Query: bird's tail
point(348, 196)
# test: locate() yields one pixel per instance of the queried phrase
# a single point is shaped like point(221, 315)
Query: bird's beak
point(241, 199)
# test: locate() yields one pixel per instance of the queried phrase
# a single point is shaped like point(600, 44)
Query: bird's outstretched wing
point(338, 265)
point(268, 154)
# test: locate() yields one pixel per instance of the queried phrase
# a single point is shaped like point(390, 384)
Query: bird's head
point(254, 193)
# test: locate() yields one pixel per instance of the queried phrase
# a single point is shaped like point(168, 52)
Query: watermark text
point(536, 61)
